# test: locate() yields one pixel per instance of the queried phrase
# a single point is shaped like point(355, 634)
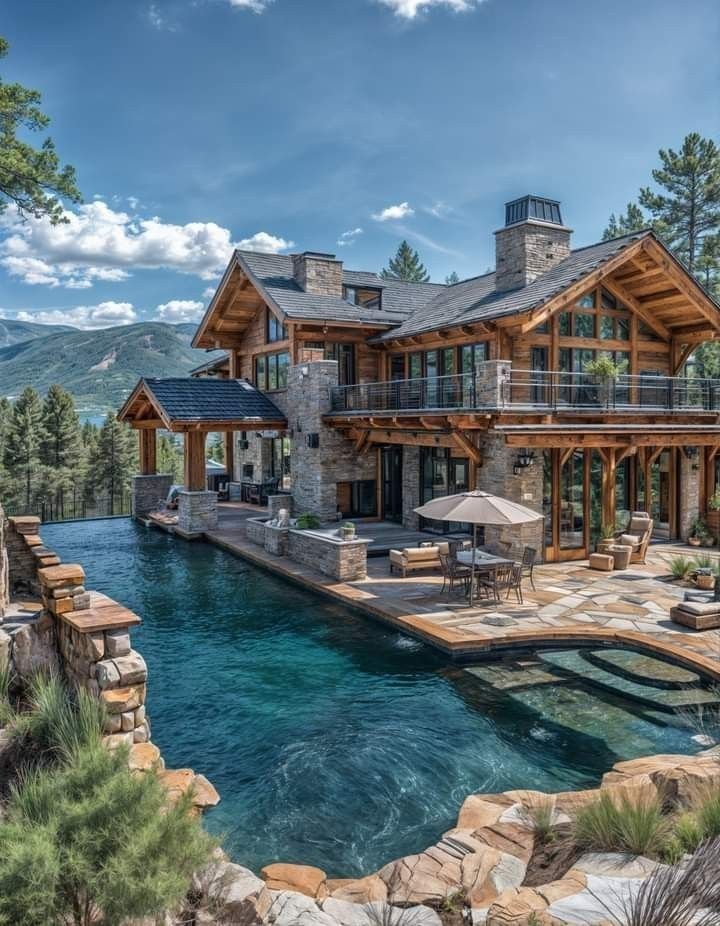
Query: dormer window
point(274, 329)
point(368, 298)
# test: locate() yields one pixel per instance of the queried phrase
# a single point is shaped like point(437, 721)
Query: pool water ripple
point(332, 740)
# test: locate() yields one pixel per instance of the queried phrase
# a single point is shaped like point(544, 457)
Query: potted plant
point(698, 532)
point(307, 522)
point(607, 538)
point(347, 530)
point(704, 578)
point(605, 372)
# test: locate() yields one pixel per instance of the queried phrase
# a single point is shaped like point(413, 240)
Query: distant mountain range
point(100, 367)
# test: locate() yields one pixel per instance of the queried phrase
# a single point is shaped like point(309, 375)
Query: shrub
point(680, 566)
point(307, 522)
point(541, 818)
point(60, 722)
point(637, 827)
point(88, 842)
point(704, 561)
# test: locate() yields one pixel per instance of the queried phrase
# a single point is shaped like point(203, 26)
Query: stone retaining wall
point(345, 560)
point(85, 636)
point(148, 493)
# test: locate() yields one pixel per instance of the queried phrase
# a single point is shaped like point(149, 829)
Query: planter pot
point(603, 546)
point(347, 534)
point(694, 541)
point(712, 519)
point(705, 582)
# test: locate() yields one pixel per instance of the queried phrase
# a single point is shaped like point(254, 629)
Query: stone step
point(666, 700)
point(642, 669)
point(516, 675)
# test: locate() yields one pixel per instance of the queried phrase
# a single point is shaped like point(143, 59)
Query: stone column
point(689, 489)
point(197, 513)
point(321, 457)
point(496, 476)
point(411, 487)
point(148, 493)
point(490, 379)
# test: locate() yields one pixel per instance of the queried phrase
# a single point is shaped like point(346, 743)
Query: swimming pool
point(332, 740)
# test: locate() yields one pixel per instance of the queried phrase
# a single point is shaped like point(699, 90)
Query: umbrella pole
point(472, 570)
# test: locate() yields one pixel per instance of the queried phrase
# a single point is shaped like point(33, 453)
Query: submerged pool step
point(641, 669)
point(660, 699)
point(520, 673)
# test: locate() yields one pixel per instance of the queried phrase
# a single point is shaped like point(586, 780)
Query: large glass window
point(275, 330)
point(572, 502)
point(442, 474)
point(471, 354)
point(271, 371)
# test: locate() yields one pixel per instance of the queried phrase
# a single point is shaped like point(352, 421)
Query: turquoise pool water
point(332, 740)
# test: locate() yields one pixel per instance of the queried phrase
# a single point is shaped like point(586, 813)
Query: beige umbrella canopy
point(475, 508)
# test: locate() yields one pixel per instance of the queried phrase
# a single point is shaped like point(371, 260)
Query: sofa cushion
point(629, 540)
point(638, 525)
point(421, 554)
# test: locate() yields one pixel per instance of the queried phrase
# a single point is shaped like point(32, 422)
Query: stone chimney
point(533, 240)
point(318, 273)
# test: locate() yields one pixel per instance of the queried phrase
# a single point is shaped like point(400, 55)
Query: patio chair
point(528, 564)
point(254, 494)
point(637, 535)
point(454, 573)
point(504, 548)
point(513, 581)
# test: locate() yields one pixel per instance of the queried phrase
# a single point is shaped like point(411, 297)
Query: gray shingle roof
point(274, 273)
point(211, 365)
point(186, 399)
point(476, 299)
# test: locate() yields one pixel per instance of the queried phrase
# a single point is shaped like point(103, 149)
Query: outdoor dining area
point(475, 573)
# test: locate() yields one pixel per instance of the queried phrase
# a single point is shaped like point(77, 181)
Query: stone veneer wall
point(689, 507)
point(525, 251)
point(148, 493)
point(317, 273)
point(345, 560)
point(496, 476)
point(411, 487)
point(316, 472)
point(197, 512)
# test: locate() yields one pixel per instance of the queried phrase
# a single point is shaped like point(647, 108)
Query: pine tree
point(169, 458)
point(708, 265)
point(689, 207)
point(22, 444)
point(406, 265)
point(60, 446)
point(113, 460)
point(451, 279)
point(632, 220)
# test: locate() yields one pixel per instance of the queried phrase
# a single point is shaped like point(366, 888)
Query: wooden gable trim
point(684, 281)
point(210, 311)
point(623, 295)
point(143, 392)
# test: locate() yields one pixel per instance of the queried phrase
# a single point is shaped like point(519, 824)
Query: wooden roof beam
point(624, 296)
point(686, 284)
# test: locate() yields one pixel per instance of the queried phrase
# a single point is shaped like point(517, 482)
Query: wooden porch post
point(609, 455)
point(229, 441)
point(195, 476)
point(147, 439)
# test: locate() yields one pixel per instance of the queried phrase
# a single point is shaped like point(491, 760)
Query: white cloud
point(257, 6)
point(104, 315)
point(409, 9)
point(101, 243)
point(262, 241)
point(394, 213)
point(208, 292)
point(158, 20)
point(180, 310)
point(439, 209)
point(349, 238)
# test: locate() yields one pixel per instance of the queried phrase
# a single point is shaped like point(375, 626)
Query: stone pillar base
point(197, 513)
point(148, 493)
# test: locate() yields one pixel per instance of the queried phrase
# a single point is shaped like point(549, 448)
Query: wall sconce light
point(690, 452)
point(524, 459)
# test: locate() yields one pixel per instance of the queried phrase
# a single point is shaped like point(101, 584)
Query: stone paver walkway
point(571, 603)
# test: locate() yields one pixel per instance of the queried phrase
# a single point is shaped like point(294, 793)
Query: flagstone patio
point(571, 604)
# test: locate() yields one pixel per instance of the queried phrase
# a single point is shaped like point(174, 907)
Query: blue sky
point(339, 125)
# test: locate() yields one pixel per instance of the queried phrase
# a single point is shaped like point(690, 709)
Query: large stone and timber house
point(381, 394)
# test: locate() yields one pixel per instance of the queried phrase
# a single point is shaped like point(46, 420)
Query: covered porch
point(193, 408)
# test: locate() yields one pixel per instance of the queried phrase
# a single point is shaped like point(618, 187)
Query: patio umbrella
point(475, 508)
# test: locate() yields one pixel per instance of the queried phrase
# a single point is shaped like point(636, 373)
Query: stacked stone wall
point(316, 471)
point(525, 251)
point(149, 493)
point(342, 560)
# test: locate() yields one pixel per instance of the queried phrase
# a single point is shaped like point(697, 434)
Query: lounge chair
point(413, 559)
point(637, 535)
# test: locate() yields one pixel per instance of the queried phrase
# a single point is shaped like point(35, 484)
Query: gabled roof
point(185, 403)
point(476, 300)
point(273, 275)
point(212, 366)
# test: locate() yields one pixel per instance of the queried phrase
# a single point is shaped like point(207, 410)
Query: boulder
point(144, 756)
point(615, 865)
point(5, 646)
point(496, 873)
point(513, 907)
point(480, 810)
point(303, 879)
point(131, 668)
point(34, 648)
point(507, 837)
point(359, 890)
point(235, 894)
point(119, 700)
point(603, 900)
point(290, 908)
point(204, 793)
point(681, 780)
